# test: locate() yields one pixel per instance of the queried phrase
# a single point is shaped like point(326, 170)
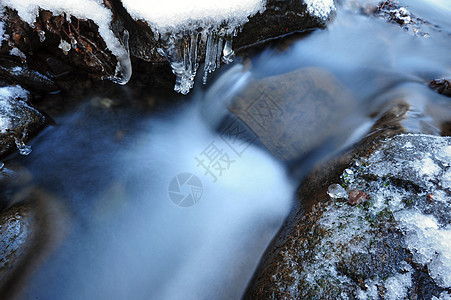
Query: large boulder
point(295, 113)
point(27, 235)
point(372, 224)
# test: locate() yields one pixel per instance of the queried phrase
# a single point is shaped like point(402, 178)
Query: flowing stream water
point(145, 219)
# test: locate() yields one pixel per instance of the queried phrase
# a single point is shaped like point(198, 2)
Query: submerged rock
point(27, 235)
point(16, 232)
point(15, 71)
point(394, 245)
point(18, 120)
point(399, 14)
point(295, 113)
point(442, 86)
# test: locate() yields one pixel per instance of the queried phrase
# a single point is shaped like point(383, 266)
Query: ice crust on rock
point(93, 10)
point(443, 296)
point(186, 26)
point(406, 219)
point(397, 285)
point(7, 94)
point(423, 215)
point(13, 103)
point(429, 243)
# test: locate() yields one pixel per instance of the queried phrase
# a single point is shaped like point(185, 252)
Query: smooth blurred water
point(111, 167)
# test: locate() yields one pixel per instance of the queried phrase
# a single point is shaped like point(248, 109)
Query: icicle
point(23, 148)
point(181, 52)
point(41, 35)
point(228, 55)
point(123, 71)
point(218, 51)
point(193, 52)
point(209, 61)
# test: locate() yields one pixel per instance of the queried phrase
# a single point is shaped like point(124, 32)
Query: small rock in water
point(393, 12)
point(27, 235)
point(17, 120)
point(274, 108)
point(442, 86)
point(336, 191)
point(357, 197)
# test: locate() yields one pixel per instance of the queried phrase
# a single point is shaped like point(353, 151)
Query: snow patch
point(397, 286)
point(16, 52)
point(2, 32)
point(443, 296)
point(428, 167)
point(8, 95)
point(428, 243)
point(176, 15)
point(320, 8)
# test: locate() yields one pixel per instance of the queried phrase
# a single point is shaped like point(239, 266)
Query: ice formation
point(321, 9)
point(93, 10)
point(12, 103)
point(429, 243)
point(422, 215)
point(16, 52)
point(185, 27)
point(6, 105)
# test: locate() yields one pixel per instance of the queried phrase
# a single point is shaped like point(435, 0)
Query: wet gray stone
point(17, 120)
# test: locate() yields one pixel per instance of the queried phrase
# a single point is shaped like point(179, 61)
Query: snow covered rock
point(83, 33)
point(94, 35)
point(393, 245)
point(17, 120)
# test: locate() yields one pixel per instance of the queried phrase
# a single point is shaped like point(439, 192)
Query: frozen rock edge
point(178, 30)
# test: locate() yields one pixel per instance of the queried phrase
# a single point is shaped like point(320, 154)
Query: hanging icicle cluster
point(181, 50)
